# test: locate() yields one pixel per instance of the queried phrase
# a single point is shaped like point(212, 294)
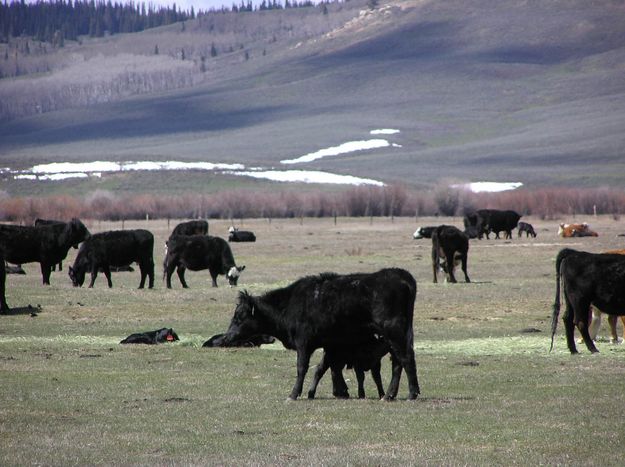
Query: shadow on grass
point(24, 310)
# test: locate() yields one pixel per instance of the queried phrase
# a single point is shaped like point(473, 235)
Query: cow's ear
point(241, 268)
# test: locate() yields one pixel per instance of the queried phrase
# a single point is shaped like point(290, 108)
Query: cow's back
point(121, 247)
point(198, 252)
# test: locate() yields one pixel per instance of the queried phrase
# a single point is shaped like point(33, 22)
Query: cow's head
point(246, 321)
point(232, 229)
point(78, 232)
point(166, 335)
point(417, 234)
point(233, 275)
point(77, 275)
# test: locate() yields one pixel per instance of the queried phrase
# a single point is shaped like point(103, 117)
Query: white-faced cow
point(114, 248)
point(237, 235)
point(423, 232)
point(329, 311)
point(587, 279)
point(197, 227)
point(199, 252)
point(450, 246)
point(366, 356)
point(527, 228)
point(44, 244)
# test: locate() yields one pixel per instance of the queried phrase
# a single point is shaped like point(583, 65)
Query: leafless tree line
point(355, 202)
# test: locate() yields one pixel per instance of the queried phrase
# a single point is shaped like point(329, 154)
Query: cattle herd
point(355, 318)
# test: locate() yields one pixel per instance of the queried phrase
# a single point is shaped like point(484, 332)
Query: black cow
point(366, 356)
point(237, 235)
point(198, 252)
point(3, 279)
point(114, 248)
point(218, 340)
point(45, 244)
point(587, 279)
point(191, 228)
point(527, 228)
point(449, 246)
point(51, 222)
point(151, 337)
point(334, 311)
point(486, 221)
point(423, 232)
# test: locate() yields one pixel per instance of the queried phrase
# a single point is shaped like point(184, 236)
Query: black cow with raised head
point(197, 227)
point(332, 311)
point(114, 249)
point(450, 246)
point(237, 235)
point(367, 356)
point(44, 244)
point(527, 228)
point(587, 279)
point(3, 278)
point(199, 252)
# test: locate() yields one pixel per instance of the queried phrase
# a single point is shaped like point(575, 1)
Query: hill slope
point(512, 91)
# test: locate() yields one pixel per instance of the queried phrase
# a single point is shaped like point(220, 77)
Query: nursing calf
point(450, 246)
point(329, 311)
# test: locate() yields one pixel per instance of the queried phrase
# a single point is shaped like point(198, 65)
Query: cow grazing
point(114, 249)
point(587, 279)
point(450, 246)
point(198, 252)
point(199, 227)
point(527, 228)
point(487, 221)
point(576, 230)
point(366, 356)
point(218, 340)
point(151, 337)
point(329, 311)
point(237, 235)
point(3, 279)
point(423, 232)
point(44, 244)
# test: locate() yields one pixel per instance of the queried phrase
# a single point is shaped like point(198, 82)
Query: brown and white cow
point(576, 230)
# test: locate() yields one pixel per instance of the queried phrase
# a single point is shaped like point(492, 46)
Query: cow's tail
point(165, 262)
point(556, 304)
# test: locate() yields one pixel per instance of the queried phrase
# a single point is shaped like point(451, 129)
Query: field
point(491, 391)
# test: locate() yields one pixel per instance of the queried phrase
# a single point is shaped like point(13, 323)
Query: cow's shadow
point(23, 310)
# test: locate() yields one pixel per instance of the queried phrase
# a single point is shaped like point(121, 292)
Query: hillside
point(515, 91)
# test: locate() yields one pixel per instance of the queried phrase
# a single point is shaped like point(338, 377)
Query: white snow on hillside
point(489, 187)
point(350, 146)
point(308, 176)
point(384, 131)
point(106, 166)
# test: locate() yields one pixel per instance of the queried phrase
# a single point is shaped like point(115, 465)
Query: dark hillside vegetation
point(512, 91)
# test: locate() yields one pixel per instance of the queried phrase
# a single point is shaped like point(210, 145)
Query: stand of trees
point(60, 20)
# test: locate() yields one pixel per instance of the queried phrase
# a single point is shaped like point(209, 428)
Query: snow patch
point(489, 187)
point(350, 146)
point(309, 176)
point(384, 131)
point(105, 166)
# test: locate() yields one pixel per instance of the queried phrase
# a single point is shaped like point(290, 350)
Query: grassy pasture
point(491, 393)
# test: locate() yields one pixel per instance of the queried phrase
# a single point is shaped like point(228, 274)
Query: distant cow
point(423, 232)
point(198, 252)
point(576, 230)
point(199, 227)
point(450, 246)
point(527, 228)
point(218, 340)
point(3, 278)
point(44, 244)
point(587, 279)
point(364, 357)
point(114, 248)
point(151, 337)
point(237, 235)
point(487, 221)
point(329, 311)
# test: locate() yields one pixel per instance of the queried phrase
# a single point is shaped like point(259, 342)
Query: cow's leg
point(213, 278)
point(46, 270)
point(150, 268)
point(393, 386)
point(449, 259)
point(360, 377)
point(180, 271)
point(595, 323)
point(94, 274)
point(319, 372)
point(613, 319)
point(339, 387)
point(377, 378)
point(107, 273)
point(623, 321)
point(169, 270)
point(580, 318)
point(303, 360)
point(144, 274)
point(464, 267)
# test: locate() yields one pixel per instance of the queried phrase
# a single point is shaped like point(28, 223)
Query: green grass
point(491, 392)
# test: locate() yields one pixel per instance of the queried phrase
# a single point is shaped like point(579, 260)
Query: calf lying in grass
point(152, 337)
